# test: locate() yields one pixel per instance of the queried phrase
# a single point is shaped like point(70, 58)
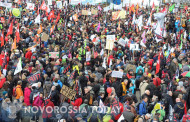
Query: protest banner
point(59, 4)
point(110, 39)
point(88, 56)
point(7, 5)
point(49, 2)
point(54, 54)
point(67, 92)
point(34, 78)
point(119, 15)
point(85, 12)
point(67, 69)
point(94, 12)
point(45, 37)
point(122, 42)
point(117, 74)
point(30, 6)
point(74, 2)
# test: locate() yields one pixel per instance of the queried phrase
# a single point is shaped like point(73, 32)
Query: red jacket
point(28, 55)
point(77, 102)
point(46, 108)
point(27, 93)
point(156, 81)
point(2, 81)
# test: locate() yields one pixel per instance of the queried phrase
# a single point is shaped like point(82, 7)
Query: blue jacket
point(139, 67)
point(142, 108)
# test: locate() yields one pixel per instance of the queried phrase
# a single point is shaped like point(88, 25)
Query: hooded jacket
point(179, 109)
point(19, 91)
point(27, 93)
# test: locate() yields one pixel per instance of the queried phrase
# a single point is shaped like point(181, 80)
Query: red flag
point(153, 5)
point(2, 38)
point(17, 33)
point(58, 17)
point(2, 20)
point(10, 30)
point(38, 12)
point(95, 54)
point(163, 10)
point(51, 15)
point(43, 6)
point(158, 65)
point(186, 7)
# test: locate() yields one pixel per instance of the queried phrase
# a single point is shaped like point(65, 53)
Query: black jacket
point(118, 88)
point(179, 109)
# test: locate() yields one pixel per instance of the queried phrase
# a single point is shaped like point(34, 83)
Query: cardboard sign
point(85, 12)
point(118, 14)
point(94, 12)
point(122, 42)
point(110, 39)
point(67, 92)
point(117, 74)
point(75, 17)
point(34, 78)
point(54, 54)
point(30, 6)
point(45, 37)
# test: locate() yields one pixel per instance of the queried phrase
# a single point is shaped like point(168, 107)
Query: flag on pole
point(37, 19)
point(43, 6)
point(2, 38)
point(172, 8)
point(19, 67)
point(14, 44)
point(10, 30)
point(17, 33)
point(52, 29)
point(51, 15)
point(98, 28)
point(40, 29)
point(181, 45)
point(110, 63)
point(153, 5)
point(158, 65)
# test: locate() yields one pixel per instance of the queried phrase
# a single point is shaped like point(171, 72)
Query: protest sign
point(110, 39)
point(117, 74)
point(94, 12)
point(122, 42)
point(54, 54)
point(67, 92)
point(84, 12)
point(34, 78)
point(134, 46)
point(49, 2)
point(88, 56)
point(74, 2)
point(30, 6)
point(67, 69)
point(59, 4)
point(45, 37)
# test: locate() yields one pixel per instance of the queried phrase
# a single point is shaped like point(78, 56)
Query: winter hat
point(4, 93)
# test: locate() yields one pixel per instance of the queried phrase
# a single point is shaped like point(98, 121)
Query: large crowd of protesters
point(155, 81)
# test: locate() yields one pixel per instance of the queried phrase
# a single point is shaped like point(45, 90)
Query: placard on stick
point(67, 92)
point(45, 37)
point(54, 54)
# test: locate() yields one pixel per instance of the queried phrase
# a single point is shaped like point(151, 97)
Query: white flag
point(37, 20)
point(19, 67)
point(110, 63)
point(104, 63)
point(133, 22)
point(102, 52)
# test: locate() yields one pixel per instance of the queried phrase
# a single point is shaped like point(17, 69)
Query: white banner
point(117, 74)
point(7, 5)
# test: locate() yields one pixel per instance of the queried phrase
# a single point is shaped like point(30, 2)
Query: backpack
point(137, 107)
point(186, 118)
point(140, 71)
point(37, 101)
point(138, 117)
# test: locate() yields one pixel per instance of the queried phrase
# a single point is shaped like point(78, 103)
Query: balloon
point(109, 90)
point(16, 12)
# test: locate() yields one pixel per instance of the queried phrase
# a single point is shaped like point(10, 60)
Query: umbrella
point(186, 74)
